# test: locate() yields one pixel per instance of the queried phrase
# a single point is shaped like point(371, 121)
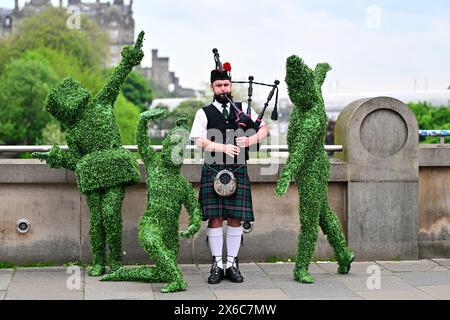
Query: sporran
point(225, 183)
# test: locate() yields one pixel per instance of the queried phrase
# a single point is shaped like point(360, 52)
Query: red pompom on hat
point(221, 75)
point(227, 66)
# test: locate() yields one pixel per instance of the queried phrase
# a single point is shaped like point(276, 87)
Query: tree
point(187, 107)
point(64, 65)
point(137, 91)
point(23, 89)
point(52, 134)
point(45, 39)
point(48, 29)
point(127, 115)
point(431, 118)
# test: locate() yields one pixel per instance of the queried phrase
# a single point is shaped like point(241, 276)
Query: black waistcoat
point(223, 131)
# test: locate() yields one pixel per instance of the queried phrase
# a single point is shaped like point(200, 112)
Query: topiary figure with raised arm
point(103, 167)
point(167, 191)
point(309, 166)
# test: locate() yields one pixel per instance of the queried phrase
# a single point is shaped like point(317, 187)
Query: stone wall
point(58, 216)
point(391, 196)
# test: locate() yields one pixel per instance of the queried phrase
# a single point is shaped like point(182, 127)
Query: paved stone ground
point(399, 280)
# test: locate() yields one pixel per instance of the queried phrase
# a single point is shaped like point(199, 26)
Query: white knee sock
point(215, 240)
point(234, 236)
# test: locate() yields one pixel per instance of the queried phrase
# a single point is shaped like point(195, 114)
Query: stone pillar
point(380, 140)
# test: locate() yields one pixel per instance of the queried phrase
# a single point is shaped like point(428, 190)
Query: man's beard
point(221, 98)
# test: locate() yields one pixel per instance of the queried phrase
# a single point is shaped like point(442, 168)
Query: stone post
point(380, 140)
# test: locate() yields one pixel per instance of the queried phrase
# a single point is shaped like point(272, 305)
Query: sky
point(384, 45)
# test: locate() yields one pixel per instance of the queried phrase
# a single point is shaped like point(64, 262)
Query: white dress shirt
point(200, 125)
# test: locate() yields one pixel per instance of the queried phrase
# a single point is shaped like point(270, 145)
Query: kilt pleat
point(237, 206)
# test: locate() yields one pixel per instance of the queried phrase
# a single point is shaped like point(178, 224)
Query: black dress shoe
point(233, 274)
point(217, 274)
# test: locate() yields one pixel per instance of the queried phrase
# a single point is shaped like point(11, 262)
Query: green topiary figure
point(167, 191)
point(308, 164)
point(103, 167)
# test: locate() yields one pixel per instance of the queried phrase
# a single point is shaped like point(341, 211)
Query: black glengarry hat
point(225, 74)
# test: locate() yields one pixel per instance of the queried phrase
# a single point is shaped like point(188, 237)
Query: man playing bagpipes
point(226, 134)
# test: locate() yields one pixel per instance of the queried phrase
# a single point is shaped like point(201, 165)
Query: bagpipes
point(243, 119)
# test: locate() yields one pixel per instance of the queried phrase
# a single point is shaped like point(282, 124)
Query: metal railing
point(435, 133)
point(158, 148)
point(264, 148)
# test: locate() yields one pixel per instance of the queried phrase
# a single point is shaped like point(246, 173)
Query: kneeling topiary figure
point(309, 165)
point(103, 167)
point(168, 190)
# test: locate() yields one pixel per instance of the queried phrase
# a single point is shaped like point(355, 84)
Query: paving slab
point(249, 267)
point(410, 266)
point(289, 277)
point(281, 277)
point(244, 267)
point(426, 278)
point(251, 294)
point(118, 295)
point(43, 269)
point(277, 268)
point(190, 289)
point(195, 280)
point(314, 268)
point(100, 290)
point(340, 298)
point(38, 275)
point(188, 269)
point(252, 280)
point(442, 262)
point(437, 292)
point(357, 268)
point(43, 295)
point(185, 295)
point(37, 288)
point(400, 280)
point(204, 268)
point(395, 295)
point(6, 271)
point(51, 281)
point(5, 279)
point(325, 286)
point(386, 283)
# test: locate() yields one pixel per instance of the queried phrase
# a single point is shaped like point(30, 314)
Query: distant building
point(160, 74)
point(6, 17)
point(117, 20)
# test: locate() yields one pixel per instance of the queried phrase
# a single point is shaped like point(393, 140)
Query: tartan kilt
point(237, 206)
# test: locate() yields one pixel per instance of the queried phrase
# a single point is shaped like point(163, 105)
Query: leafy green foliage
point(309, 166)
point(52, 134)
point(63, 64)
point(7, 265)
point(79, 53)
point(23, 88)
point(431, 118)
point(188, 108)
point(137, 91)
point(48, 29)
point(127, 115)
